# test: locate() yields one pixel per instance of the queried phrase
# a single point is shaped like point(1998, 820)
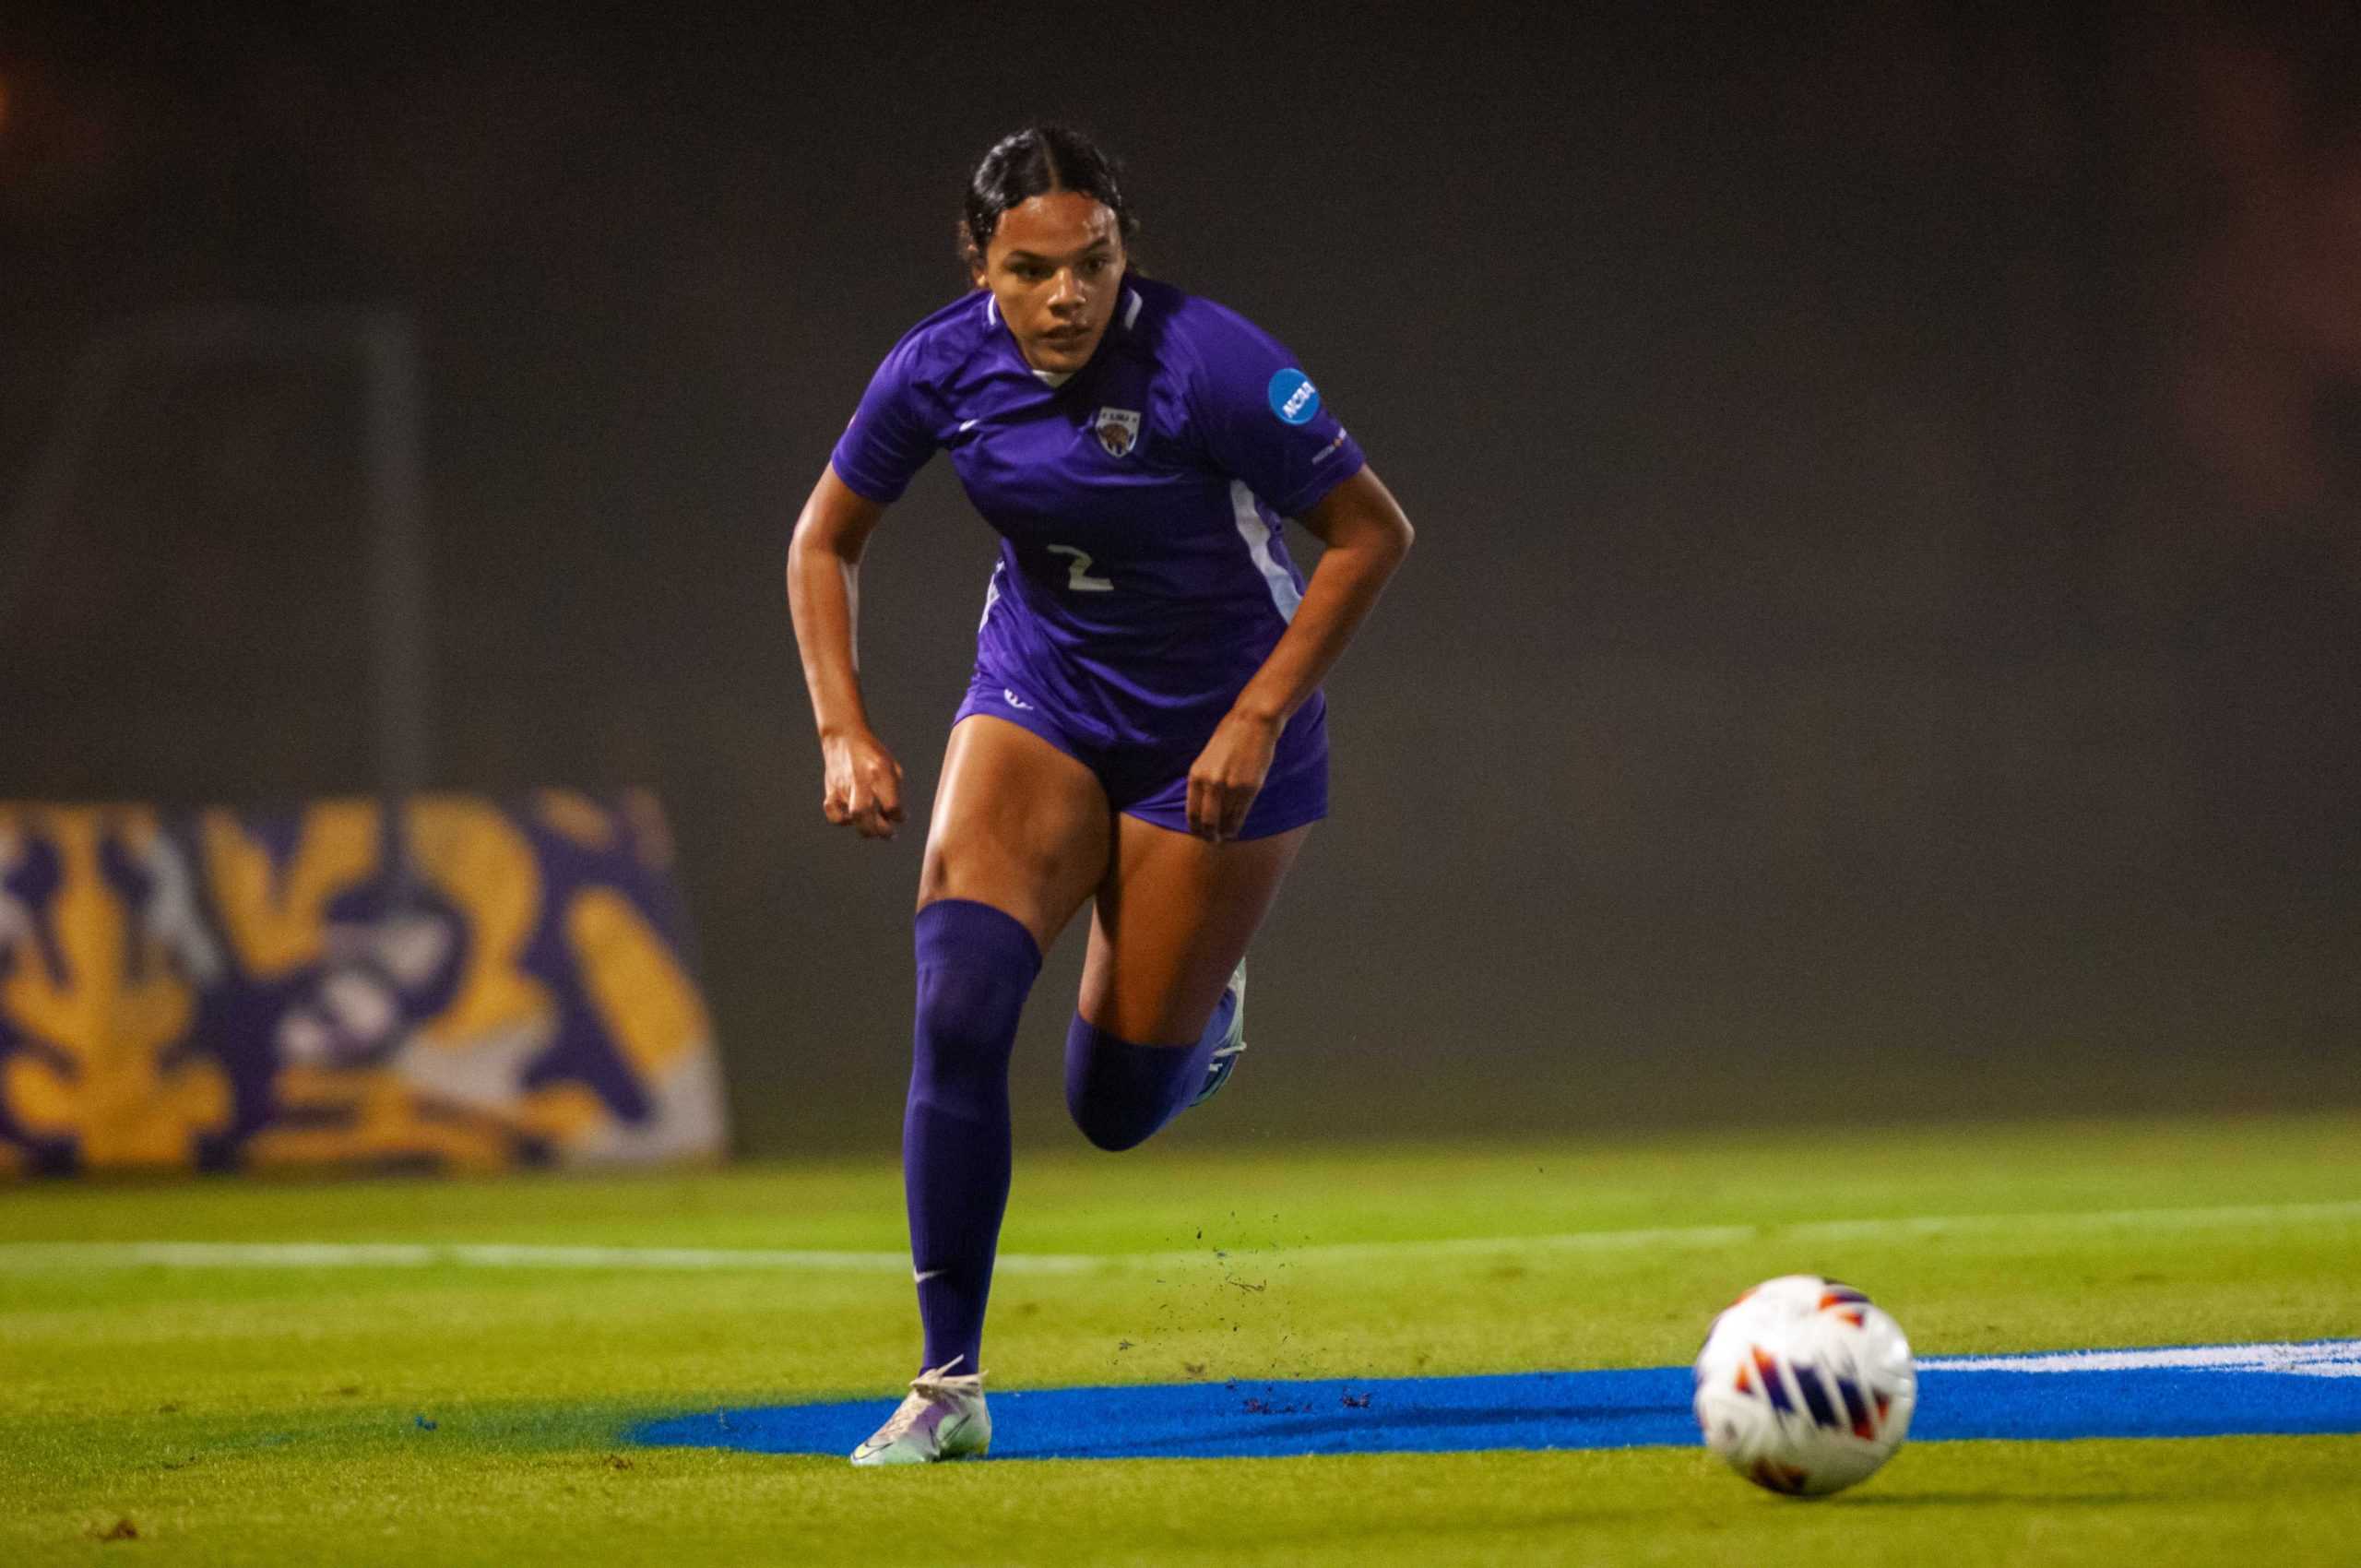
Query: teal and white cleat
point(1233, 1041)
point(942, 1417)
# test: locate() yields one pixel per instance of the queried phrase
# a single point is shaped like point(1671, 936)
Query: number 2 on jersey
point(1078, 578)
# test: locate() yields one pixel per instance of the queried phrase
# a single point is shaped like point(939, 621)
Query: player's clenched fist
point(1229, 774)
point(863, 785)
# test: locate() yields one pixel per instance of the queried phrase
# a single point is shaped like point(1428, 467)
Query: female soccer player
point(1144, 728)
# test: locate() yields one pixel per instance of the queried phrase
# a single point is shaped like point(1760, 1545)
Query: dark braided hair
point(1038, 158)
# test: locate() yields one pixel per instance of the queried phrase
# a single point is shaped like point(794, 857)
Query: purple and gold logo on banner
point(225, 990)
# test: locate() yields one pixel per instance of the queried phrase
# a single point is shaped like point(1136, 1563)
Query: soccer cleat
point(942, 1417)
point(1233, 1042)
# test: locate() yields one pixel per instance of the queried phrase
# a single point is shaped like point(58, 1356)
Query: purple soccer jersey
point(1144, 576)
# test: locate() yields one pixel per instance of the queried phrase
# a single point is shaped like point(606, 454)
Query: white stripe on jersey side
point(1130, 311)
point(990, 315)
point(991, 593)
point(1257, 534)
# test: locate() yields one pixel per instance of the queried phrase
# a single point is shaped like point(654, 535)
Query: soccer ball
point(1805, 1385)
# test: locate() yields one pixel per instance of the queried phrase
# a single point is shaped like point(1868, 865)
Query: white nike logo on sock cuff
point(929, 1274)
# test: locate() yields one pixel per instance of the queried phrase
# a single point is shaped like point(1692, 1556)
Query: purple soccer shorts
point(1147, 775)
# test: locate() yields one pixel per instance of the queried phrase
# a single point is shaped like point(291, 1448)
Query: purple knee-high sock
point(975, 966)
point(1121, 1093)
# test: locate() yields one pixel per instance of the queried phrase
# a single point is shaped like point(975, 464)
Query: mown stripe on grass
point(50, 1257)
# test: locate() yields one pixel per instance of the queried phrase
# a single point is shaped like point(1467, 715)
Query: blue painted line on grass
point(1636, 1408)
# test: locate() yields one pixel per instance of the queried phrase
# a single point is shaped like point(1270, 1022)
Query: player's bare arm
point(1367, 536)
point(861, 782)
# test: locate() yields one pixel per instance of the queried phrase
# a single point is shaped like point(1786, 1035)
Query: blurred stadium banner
point(233, 990)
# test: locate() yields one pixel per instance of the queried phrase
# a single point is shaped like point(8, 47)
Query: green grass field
point(453, 1412)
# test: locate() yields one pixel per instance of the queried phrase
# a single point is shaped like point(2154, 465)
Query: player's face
point(1054, 266)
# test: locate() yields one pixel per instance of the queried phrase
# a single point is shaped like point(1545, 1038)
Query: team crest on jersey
point(1119, 430)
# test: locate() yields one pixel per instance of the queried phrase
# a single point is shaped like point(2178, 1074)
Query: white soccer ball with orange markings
point(1805, 1385)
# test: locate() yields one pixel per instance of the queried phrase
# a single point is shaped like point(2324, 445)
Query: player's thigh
point(1173, 918)
point(1018, 824)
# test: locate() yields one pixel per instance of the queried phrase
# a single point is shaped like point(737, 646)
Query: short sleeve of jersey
point(890, 437)
point(1264, 420)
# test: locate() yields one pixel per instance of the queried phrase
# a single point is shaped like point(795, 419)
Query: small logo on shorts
point(1016, 701)
point(1119, 430)
point(1293, 396)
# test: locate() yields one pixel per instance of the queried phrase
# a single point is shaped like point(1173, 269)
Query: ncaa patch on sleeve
point(1293, 396)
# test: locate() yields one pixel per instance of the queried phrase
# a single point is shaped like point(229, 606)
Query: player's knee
point(1111, 1126)
point(960, 1020)
point(1118, 1093)
point(975, 966)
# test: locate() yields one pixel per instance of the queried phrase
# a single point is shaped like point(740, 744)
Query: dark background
point(1883, 637)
